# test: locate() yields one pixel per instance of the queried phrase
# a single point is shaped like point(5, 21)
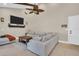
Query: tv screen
point(16, 20)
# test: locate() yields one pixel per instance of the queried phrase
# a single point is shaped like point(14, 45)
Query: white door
point(73, 29)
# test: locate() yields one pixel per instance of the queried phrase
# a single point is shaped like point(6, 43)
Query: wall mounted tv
point(16, 20)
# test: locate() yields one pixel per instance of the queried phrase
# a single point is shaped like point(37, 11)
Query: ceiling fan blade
point(25, 4)
point(29, 9)
point(40, 10)
point(30, 12)
point(37, 13)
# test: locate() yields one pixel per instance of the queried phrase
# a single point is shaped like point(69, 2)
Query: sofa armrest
point(52, 39)
point(50, 44)
point(4, 41)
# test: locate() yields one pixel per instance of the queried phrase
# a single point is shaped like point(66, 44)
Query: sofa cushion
point(42, 36)
point(32, 33)
point(47, 37)
point(37, 38)
point(52, 33)
point(36, 33)
point(40, 33)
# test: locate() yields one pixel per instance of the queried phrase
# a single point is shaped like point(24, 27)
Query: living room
point(53, 19)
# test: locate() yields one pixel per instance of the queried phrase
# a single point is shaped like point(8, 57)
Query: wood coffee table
point(24, 39)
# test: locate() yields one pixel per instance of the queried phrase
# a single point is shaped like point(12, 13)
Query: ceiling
point(11, 5)
point(41, 5)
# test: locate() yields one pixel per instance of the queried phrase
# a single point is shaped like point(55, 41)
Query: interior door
point(73, 29)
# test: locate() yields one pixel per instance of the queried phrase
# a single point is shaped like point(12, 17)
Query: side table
point(24, 39)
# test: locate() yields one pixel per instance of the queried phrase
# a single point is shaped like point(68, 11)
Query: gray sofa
point(42, 42)
point(4, 41)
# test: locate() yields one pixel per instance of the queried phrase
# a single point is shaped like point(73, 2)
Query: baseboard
point(66, 42)
point(63, 42)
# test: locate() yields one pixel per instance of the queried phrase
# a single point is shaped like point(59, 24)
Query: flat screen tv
point(16, 20)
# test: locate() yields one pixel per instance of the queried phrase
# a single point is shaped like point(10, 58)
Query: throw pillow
point(10, 37)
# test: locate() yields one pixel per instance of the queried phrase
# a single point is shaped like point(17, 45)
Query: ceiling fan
point(35, 9)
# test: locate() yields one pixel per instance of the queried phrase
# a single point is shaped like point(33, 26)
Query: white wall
point(52, 19)
point(48, 21)
point(6, 12)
